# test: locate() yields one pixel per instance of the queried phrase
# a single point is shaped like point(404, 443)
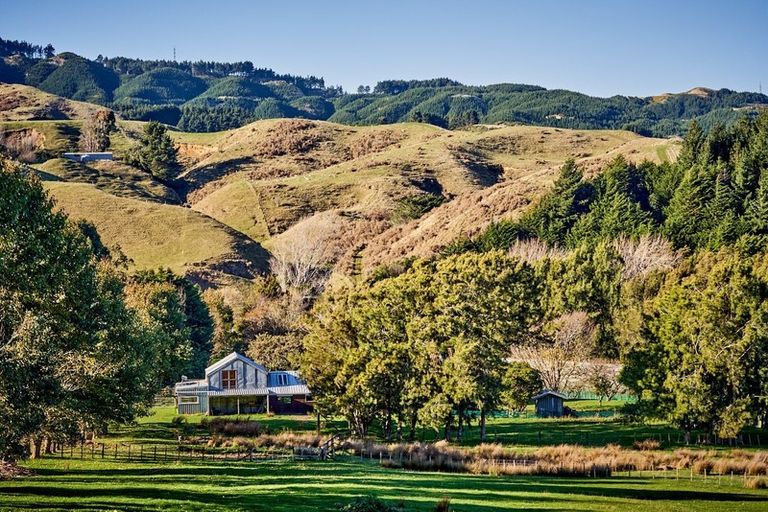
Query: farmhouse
point(238, 385)
point(549, 404)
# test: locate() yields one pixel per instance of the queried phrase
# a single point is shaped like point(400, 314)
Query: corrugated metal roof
point(300, 389)
point(296, 389)
point(553, 393)
point(191, 384)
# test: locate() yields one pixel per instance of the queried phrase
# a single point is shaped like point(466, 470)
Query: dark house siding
point(296, 404)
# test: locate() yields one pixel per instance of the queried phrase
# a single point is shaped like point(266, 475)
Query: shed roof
point(230, 358)
point(546, 392)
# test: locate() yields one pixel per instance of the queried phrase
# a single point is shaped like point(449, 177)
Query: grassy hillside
point(363, 188)
point(154, 235)
point(24, 103)
point(113, 177)
point(273, 180)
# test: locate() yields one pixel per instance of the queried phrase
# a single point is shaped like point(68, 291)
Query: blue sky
point(598, 47)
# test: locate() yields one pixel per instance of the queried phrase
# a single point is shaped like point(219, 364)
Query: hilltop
point(24, 103)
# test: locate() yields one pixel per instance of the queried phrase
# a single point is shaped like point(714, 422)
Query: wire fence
point(128, 452)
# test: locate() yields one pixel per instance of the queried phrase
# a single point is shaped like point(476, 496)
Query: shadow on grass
point(318, 486)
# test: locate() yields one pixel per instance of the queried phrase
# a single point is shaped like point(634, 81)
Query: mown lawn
point(292, 486)
point(521, 432)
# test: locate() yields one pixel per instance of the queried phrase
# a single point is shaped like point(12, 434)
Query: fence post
point(154, 454)
point(103, 446)
point(129, 452)
point(141, 453)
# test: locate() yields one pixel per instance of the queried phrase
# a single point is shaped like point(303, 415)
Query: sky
point(602, 48)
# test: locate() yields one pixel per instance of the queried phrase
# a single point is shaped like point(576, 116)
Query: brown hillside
point(267, 177)
point(24, 103)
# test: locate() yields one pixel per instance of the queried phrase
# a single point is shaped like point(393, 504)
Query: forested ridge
point(212, 96)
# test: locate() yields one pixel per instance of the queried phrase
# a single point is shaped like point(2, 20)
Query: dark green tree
point(156, 152)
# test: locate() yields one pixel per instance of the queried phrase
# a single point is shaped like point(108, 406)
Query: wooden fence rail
point(128, 452)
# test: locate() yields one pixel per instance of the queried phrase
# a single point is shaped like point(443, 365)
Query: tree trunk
point(447, 433)
point(47, 446)
point(482, 425)
point(412, 433)
point(35, 445)
point(460, 429)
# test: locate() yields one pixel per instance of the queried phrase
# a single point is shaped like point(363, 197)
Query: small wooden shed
point(549, 404)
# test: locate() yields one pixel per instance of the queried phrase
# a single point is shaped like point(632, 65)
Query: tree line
point(83, 342)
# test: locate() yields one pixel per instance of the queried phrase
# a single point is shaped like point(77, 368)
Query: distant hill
point(160, 86)
point(213, 96)
point(81, 79)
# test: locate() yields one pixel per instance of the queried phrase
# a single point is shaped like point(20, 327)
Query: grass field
point(521, 431)
point(292, 486)
point(86, 482)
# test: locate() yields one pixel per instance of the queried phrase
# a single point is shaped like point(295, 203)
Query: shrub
point(702, 466)
point(233, 427)
point(756, 483)
point(369, 504)
point(647, 444)
point(444, 505)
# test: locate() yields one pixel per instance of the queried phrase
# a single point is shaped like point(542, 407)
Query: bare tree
point(559, 358)
point(94, 135)
point(21, 145)
point(646, 254)
point(603, 378)
point(535, 250)
point(300, 261)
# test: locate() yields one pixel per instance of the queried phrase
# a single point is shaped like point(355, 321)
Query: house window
point(189, 399)
point(229, 379)
point(282, 379)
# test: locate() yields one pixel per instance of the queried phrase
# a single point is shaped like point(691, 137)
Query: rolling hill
point(214, 96)
point(276, 180)
point(160, 86)
point(24, 103)
point(375, 193)
point(155, 235)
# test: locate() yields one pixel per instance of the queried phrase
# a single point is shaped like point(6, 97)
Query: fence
point(688, 474)
point(602, 413)
point(589, 395)
point(126, 452)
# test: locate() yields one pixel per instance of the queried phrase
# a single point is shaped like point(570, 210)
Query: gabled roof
point(547, 392)
point(230, 358)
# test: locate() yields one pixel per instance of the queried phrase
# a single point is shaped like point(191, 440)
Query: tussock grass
point(560, 460)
